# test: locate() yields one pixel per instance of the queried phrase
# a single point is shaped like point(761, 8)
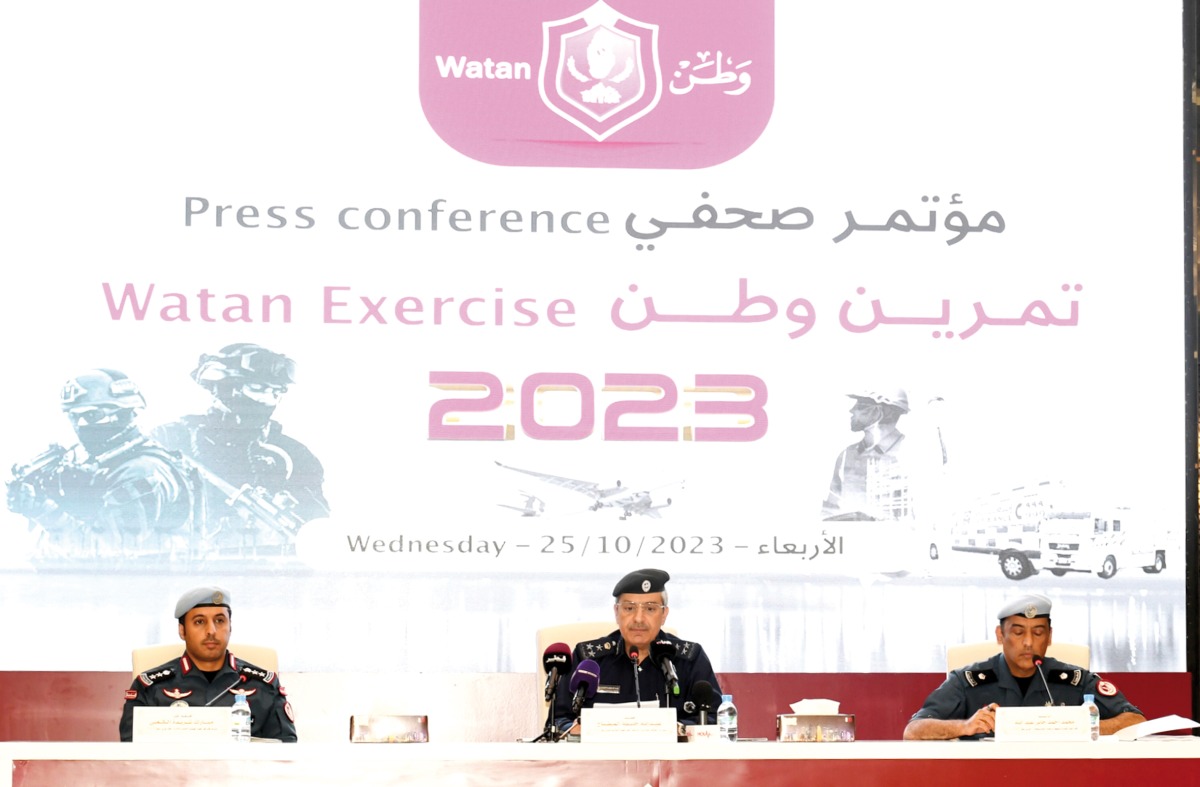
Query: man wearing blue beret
point(208, 674)
point(964, 706)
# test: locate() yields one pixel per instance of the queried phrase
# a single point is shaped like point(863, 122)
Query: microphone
point(556, 660)
point(1037, 662)
point(241, 679)
point(637, 684)
point(662, 652)
point(703, 694)
point(584, 682)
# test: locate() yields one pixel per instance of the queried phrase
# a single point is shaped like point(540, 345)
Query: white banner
point(419, 324)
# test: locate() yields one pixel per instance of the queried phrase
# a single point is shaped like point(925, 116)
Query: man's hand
point(982, 721)
point(22, 498)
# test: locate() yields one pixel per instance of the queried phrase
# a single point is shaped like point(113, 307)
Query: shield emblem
point(600, 69)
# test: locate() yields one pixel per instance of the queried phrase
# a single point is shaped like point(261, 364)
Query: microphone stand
point(637, 683)
point(549, 733)
point(1037, 662)
point(241, 679)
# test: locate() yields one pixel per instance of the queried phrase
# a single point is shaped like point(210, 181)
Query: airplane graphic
point(628, 501)
point(534, 505)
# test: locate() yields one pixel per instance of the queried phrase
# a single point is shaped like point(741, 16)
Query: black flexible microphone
point(583, 684)
point(703, 694)
point(557, 661)
point(662, 652)
point(241, 679)
point(637, 684)
point(1037, 662)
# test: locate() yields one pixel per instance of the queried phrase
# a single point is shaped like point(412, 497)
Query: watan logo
point(600, 69)
point(579, 83)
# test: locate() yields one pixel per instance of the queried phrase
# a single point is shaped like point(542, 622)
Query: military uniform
point(616, 683)
point(967, 690)
point(180, 681)
point(133, 500)
point(261, 457)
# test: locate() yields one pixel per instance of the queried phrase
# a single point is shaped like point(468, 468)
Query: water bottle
point(727, 718)
point(239, 718)
point(1089, 701)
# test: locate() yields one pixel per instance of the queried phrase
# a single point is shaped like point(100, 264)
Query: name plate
point(1060, 723)
point(627, 725)
point(183, 723)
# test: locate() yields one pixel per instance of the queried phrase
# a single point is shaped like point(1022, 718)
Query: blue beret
point(202, 597)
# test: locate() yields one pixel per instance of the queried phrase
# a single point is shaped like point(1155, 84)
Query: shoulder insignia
point(176, 694)
point(1106, 688)
point(979, 677)
point(265, 675)
point(131, 694)
point(1067, 677)
point(598, 647)
point(148, 678)
point(687, 650)
point(244, 692)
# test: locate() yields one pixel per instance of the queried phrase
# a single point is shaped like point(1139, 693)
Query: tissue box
point(808, 727)
point(389, 729)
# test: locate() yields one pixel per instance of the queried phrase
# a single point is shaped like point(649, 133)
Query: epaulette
point(251, 671)
point(1066, 677)
point(599, 647)
point(687, 650)
point(148, 678)
point(976, 677)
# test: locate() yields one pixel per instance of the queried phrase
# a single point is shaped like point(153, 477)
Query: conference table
point(1167, 760)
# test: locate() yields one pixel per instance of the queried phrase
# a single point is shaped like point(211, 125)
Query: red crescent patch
point(1106, 688)
point(131, 694)
point(287, 708)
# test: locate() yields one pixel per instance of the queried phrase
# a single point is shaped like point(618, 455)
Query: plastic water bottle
point(727, 718)
point(239, 719)
point(1089, 701)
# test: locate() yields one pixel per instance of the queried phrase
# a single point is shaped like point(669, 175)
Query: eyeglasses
point(649, 607)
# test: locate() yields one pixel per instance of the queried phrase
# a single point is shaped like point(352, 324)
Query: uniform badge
point(287, 708)
point(179, 704)
point(176, 694)
point(1106, 688)
point(981, 676)
point(282, 690)
point(243, 692)
point(131, 694)
point(218, 598)
point(1031, 611)
point(645, 586)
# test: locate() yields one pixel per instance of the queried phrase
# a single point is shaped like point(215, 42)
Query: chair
point(958, 656)
point(151, 656)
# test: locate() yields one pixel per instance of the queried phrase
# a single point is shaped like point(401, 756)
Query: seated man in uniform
point(641, 610)
point(208, 674)
point(964, 706)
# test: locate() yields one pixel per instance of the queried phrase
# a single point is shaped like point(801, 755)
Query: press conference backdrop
point(574, 289)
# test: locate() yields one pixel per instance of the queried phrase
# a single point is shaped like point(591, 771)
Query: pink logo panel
point(584, 83)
